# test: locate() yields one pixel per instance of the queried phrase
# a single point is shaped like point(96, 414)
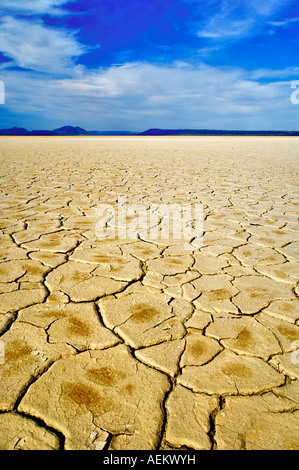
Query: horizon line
point(77, 130)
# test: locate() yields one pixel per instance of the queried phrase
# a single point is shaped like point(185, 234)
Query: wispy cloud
point(32, 45)
point(239, 19)
point(32, 6)
point(289, 73)
point(285, 22)
point(154, 95)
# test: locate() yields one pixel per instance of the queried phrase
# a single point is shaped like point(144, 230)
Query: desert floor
point(148, 343)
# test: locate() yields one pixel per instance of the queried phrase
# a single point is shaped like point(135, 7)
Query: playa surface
point(147, 343)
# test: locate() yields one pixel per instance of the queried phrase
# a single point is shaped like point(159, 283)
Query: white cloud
point(239, 19)
point(137, 96)
point(32, 45)
point(285, 22)
point(268, 74)
point(32, 6)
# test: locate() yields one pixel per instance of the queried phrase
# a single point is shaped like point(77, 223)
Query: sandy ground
point(148, 344)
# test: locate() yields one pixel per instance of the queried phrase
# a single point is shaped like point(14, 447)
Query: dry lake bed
point(152, 342)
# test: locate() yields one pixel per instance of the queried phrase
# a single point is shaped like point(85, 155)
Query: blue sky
point(135, 64)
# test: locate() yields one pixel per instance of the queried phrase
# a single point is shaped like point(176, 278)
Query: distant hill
point(14, 131)
point(79, 131)
point(65, 130)
point(70, 130)
point(61, 131)
point(181, 132)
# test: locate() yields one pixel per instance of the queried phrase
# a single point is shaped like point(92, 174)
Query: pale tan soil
point(143, 344)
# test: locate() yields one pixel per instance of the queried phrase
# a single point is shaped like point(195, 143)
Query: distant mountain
point(70, 130)
point(14, 131)
point(61, 131)
point(199, 132)
point(79, 131)
point(66, 130)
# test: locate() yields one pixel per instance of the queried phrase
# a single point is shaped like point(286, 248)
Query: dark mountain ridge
point(213, 132)
point(79, 131)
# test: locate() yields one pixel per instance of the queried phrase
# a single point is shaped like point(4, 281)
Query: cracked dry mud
point(143, 344)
